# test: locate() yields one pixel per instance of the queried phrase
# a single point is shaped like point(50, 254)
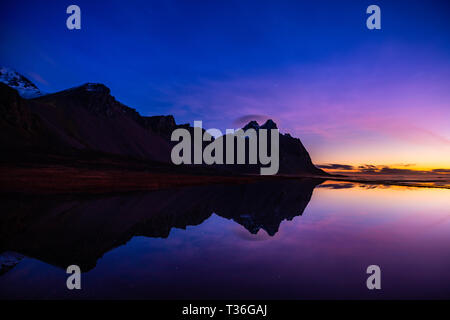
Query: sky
point(353, 96)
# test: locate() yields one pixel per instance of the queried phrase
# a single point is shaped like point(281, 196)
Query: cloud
point(381, 169)
point(337, 186)
point(336, 166)
point(404, 165)
point(441, 170)
point(367, 168)
point(36, 77)
point(385, 169)
point(389, 170)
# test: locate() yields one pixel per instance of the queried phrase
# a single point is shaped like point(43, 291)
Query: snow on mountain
point(15, 80)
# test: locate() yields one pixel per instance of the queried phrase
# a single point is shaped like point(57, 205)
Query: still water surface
point(284, 240)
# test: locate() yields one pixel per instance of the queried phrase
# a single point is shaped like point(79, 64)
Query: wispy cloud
point(441, 171)
point(37, 77)
point(380, 169)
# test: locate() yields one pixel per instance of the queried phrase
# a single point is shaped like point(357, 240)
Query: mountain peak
point(269, 125)
point(15, 80)
point(251, 125)
point(95, 87)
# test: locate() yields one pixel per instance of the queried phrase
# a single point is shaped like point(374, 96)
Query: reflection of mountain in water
point(65, 230)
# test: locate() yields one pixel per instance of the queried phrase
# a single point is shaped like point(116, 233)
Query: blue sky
point(312, 66)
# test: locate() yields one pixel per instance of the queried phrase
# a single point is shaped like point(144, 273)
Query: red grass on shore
point(59, 179)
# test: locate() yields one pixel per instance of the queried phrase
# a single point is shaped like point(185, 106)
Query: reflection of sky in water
point(321, 254)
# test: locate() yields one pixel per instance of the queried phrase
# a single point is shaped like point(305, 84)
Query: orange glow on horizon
point(410, 169)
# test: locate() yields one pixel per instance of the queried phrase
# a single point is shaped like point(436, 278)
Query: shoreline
point(66, 179)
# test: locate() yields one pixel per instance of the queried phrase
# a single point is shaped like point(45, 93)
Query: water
point(283, 240)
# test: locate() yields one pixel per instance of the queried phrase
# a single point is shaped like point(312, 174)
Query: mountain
point(84, 119)
point(88, 120)
point(15, 80)
point(21, 128)
point(294, 158)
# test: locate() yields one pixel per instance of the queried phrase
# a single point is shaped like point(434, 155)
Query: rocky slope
point(92, 119)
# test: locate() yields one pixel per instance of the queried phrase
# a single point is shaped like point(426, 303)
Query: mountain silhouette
point(88, 120)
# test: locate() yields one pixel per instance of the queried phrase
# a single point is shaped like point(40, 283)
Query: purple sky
point(352, 95)
point(380, 105)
